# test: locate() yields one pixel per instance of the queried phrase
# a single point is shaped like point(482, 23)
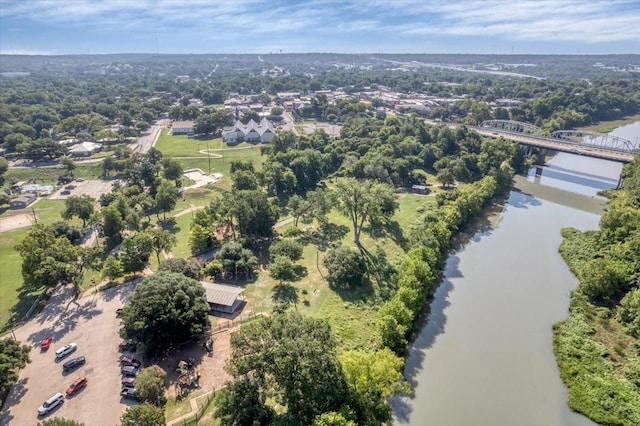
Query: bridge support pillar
point(620, 182)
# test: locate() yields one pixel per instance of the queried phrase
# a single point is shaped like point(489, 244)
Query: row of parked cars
point(129, 367)
point(56, 400)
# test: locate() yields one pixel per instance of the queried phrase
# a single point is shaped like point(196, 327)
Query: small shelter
point(22, 201)
point(223, 298)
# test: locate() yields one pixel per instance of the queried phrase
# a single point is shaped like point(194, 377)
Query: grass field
point(352, 314)
point(47, 212)
point(192, 154)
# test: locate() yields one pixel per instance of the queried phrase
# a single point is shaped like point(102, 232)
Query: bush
point(287, 247)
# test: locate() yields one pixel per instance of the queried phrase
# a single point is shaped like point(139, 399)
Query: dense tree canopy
point(289, 358)
point(13, 356)
point(143, 415)
point(164, 310)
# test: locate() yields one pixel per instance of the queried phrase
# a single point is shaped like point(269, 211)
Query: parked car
point(70, 187)
point(73, 364)
point(46, 343)
point(50, 404)
point(125, 360)
point(119, 312)
point(78, 384)
point(128, 382)
point(130, 393)
point(129, 370)
point(80, 180)
point(66, 350)
point(65, 192)
point(127, 345)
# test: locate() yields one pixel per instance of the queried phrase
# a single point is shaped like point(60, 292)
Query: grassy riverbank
point(609, 126)
point(598, 347)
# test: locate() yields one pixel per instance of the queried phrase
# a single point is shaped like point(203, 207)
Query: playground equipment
point(188, 379)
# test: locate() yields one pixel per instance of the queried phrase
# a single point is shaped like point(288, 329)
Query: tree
point(166, 197)
point(281, 269)
point(150, 385)
point(236, 259)
point(244, 180)
point(188, 268)
point(13, 356)
point(332, 418)
point(47, 260)
point(112, 222)
point(112, 269)
point(445, 177)
point(249, 115)
point(290, 358)
point(143, 415)
point(4, 166)
point(629, 311)
point(345, 267)
point(132, 255)
point(286, 247)
point(172, 169)
point(364, 201)
point(57, 421)
point(603, 279)
point(81, 206)
point(68, 164)
point(372, 377)
point(161, 240)
point(164, 310)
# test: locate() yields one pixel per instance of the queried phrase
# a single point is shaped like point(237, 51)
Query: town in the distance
point(319, 239)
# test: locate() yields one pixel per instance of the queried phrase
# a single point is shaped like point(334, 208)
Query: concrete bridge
point(571, 141)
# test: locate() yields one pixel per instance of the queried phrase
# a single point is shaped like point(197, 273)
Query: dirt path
point(16, 221)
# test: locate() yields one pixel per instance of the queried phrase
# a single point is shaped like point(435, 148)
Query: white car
point(50, 404)
point(66, 350)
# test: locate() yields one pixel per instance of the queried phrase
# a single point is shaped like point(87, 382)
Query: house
point(85, 149)
point(182, 128)
point(22, 201)
point(223, 298)
point(250, 132)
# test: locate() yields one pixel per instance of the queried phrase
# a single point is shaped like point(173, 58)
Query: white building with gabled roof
point(250, 132)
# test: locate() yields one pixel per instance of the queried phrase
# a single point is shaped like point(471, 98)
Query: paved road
point(144, 143)
point(92, 324)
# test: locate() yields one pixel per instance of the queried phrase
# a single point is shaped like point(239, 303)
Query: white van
point(50, 404)
point(66, 350)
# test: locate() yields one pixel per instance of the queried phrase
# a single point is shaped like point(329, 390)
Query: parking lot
point(92, 188)
point(92, 324)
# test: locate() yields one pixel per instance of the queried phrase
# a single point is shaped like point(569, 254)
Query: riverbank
point(598, 347)
point(609, 126)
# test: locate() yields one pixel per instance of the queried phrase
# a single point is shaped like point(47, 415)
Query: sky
point(49, 27)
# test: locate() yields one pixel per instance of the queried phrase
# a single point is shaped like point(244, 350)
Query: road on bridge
point(562, 146)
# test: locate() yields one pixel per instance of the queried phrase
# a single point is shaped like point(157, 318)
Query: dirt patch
point(210, 367)
point(20, 220)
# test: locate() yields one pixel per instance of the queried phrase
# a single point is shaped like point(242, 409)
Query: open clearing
point(20, 220)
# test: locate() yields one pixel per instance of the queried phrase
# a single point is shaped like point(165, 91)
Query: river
point(485, 355)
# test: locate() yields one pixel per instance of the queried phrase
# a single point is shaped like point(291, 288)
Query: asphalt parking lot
point(92, 324)
point(92, 188)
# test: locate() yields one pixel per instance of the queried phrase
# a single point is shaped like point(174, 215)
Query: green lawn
point(352, 314)
point(47, 212)
point(181, 147)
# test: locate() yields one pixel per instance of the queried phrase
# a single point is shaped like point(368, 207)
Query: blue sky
point(345, 26)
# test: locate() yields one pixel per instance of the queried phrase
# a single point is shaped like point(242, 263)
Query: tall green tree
point(290, 358)
point(47, 260)
point(13, 356)
point(112, 222)
point(81, 206)
point(57, 421)
point(364, 201)
point(372, 377)
point(150, 385)
point(166, 197)
point(161, 240)
point(164, 310)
